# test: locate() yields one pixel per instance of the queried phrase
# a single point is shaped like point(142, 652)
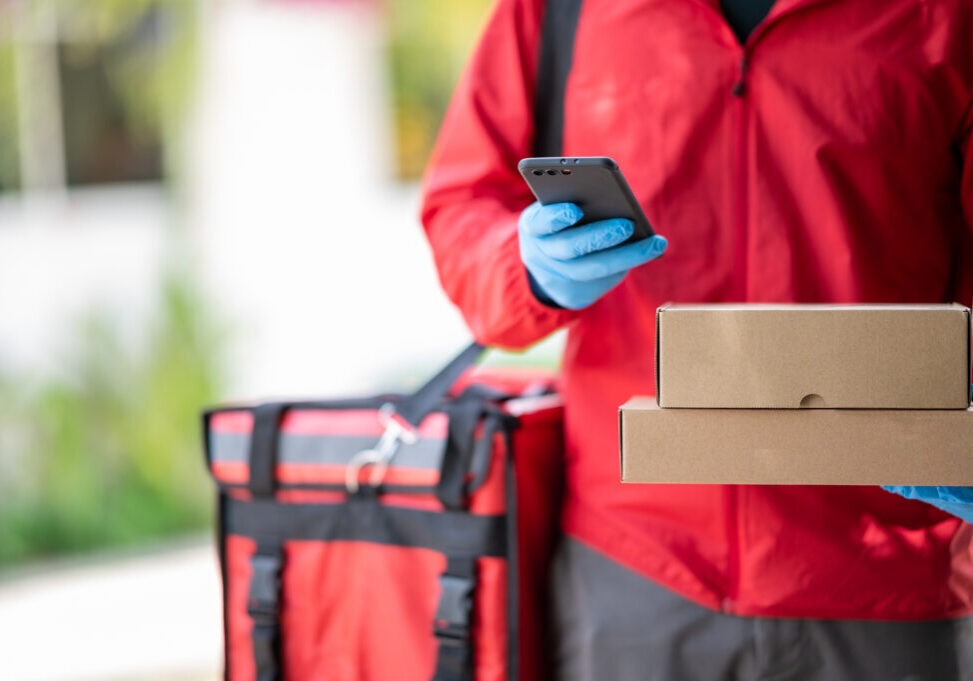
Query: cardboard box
point(819, 356)
point(795, 446)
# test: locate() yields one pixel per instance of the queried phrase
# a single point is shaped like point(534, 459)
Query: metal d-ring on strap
point(397, 432)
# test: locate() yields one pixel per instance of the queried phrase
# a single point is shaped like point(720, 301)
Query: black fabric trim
point(362, 518)
point(513, 567)
point(224, 578)
point(558, 30)
point(263, 607)
point(745, 15)
point(454, 615)
point(457, 460)
point(263, 447)
point(539, 292)
point(483, 453)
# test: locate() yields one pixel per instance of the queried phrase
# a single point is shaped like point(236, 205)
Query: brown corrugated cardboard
point(824, 356)
point(795, 446)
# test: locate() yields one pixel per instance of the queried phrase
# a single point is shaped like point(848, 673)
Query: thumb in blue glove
point(955, 500)
point(575, 267)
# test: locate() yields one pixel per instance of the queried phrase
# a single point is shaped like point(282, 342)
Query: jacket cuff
point(539, 294)
point(524, 319)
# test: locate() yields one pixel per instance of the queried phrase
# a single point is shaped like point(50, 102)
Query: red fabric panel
point(324, 422)
point(239, 626)
point(490, 621)
point(231, 421)
point(491, 497)
point(538, 466)
point(354, 611)
point(335, 474)
point(231, 472)
point(236, 472)
point(509, 380)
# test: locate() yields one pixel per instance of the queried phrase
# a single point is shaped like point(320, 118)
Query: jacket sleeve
point(472, 192)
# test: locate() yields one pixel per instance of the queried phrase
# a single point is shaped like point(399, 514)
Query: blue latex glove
point(575, 267)
point(955, 500)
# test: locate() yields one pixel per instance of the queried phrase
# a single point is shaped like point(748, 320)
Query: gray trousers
point(612, 624)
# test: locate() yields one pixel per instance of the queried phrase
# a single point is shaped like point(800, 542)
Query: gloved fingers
point(962, 510)
point(620, 259)
point(956, 495)
point(597, 236)
point(907, 491)
point(933, 493)
point(538, 220)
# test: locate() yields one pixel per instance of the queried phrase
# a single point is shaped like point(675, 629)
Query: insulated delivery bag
point(394, 538)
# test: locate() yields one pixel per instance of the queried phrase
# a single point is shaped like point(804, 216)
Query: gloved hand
point(955, 500)
point(575, 267)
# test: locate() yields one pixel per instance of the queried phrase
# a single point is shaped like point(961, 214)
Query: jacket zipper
point(739, 92)
point(731, 507)
point(740, 87)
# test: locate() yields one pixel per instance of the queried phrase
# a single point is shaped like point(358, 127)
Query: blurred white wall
point(63, 255)
point(313, 251)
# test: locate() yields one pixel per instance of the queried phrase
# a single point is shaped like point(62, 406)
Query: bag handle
point(417, 406)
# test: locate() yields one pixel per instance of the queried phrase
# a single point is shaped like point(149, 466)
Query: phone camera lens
point(564, 161)
point(566, 172)
point(538, 172)
point(552, 172)
point(577, 161)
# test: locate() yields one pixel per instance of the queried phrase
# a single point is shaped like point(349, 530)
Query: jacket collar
point(780, 8)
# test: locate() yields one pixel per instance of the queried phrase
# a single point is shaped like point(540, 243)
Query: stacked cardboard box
point(805, 394)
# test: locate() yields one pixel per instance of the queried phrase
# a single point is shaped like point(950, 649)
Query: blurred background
point(200, 200)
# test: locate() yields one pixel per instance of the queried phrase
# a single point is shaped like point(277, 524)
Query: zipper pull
point(740, 86)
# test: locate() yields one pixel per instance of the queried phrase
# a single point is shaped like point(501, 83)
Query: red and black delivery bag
point(390, 538)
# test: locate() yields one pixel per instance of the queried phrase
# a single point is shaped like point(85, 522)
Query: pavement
point(149, 615)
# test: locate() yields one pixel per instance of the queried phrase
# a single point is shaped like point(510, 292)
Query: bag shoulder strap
point(558, 29)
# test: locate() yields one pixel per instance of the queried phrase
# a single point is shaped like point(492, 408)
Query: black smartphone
point(593, 183)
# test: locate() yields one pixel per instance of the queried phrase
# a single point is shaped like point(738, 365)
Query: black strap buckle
point(452, 623)
point(263, 602)
point(454, 661)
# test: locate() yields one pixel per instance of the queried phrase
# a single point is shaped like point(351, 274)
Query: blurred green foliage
point(9, 148)
point(545, 354)
point(428, 43)
point(109, 453)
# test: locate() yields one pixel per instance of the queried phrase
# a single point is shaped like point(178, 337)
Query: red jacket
point(842, 173)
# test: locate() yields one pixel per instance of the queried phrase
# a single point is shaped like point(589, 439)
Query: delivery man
point(820, 153)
